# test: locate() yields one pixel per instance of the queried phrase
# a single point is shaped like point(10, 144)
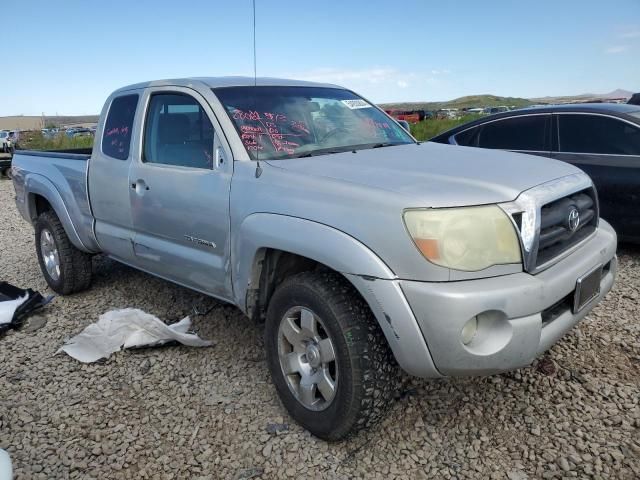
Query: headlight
point(468, 238)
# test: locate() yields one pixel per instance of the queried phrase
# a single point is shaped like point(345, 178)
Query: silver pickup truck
point(309, 208)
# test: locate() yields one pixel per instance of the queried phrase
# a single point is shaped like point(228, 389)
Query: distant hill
point(25, 122)
point(470, 101)
point(617, 93)
point(586, 97)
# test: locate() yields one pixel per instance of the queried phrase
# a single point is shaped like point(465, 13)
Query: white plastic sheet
point(8, 308)
point(6, 471)
point(127, 328)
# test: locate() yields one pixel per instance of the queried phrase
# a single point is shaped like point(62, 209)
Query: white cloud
point(334, 75)
point(378, 83)
point(617, 49)
point(368, 76)
point(630, 34)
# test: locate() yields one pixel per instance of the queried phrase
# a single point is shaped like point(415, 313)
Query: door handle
point(219, 162)
point(139, 185)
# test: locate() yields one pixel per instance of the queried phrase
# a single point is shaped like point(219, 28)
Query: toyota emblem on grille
point(574, 219)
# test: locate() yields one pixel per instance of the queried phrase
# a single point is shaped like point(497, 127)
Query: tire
point(364, 372)
point(73, 272)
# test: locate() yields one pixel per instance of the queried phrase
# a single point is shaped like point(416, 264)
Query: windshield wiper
point(351, 148)
point(387, 144)
point(316, 153)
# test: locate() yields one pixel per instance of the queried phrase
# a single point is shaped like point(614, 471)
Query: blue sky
point(67, 56)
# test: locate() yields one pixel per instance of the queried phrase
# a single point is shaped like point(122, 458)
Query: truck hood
point(435, 175)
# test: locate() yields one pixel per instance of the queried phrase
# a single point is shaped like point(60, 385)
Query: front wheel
point(65, 268)
point(328, 359)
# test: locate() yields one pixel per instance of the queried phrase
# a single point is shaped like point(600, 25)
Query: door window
point(468, 138)
point(178, 132)
point(116, 139)
point(515, 133)
point(597, 134)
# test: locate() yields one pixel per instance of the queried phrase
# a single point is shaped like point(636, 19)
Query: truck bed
point(59, 178)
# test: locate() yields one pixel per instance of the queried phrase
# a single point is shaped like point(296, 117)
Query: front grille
point(556, 235)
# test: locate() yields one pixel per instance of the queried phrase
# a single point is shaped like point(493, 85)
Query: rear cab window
point(116, 136)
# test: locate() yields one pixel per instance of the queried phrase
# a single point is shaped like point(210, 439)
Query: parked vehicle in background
point(635, 99)
point(6, 149)
point(5, 142)
point(603, 139)
point(14, 137)
point(410, 116)
point(78, 132)
point(443, 113)
point(494, 110)
point(312, 210)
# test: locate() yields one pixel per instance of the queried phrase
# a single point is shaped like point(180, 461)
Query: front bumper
point(520, 315)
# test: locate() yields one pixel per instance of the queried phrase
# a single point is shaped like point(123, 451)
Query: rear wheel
point(65, 268)
point(329, 361)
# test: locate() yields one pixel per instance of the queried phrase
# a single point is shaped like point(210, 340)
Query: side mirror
point(404, 124)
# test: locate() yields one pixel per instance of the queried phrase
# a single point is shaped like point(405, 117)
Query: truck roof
point(216, 82)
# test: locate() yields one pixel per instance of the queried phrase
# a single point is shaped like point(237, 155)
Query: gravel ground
point(179, 412)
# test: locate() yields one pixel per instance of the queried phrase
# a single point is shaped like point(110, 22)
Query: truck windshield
point(294, 122)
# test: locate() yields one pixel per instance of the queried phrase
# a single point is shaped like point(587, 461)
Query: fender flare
point(303, 237)
point(36, 184)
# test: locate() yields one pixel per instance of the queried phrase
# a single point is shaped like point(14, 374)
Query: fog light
point(469, 331)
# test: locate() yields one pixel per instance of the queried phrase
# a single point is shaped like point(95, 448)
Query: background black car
point(602, 139)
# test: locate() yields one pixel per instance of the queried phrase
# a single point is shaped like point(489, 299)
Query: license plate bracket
point(587, 288)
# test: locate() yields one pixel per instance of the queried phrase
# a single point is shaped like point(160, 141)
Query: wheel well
point(41, 205)
point(271, 267)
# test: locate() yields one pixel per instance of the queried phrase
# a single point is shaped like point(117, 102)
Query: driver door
point(179, 192)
